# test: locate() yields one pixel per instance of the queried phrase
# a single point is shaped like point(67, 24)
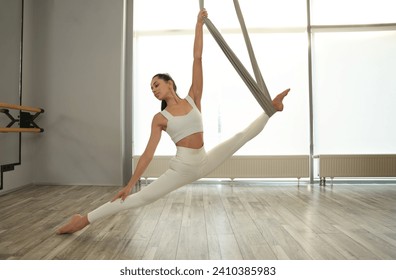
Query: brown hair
point(166, 77)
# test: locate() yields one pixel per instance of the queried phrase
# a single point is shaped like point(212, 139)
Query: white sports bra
point(179, 127)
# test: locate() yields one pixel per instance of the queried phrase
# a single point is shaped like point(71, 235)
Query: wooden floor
point(206, 221)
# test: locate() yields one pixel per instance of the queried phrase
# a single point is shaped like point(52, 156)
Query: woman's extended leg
point(225, 150)
point(169, 181)
point(166, 183)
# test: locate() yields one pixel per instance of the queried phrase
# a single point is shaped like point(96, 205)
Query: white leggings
point(186, 167)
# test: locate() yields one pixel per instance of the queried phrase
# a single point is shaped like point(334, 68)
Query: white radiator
point(357, 166)
point(243, 167)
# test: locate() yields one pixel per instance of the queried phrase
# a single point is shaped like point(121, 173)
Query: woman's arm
point(145, 159)
point(197, 78)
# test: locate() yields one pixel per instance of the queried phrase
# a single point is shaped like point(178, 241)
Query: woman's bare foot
point(76, 223)
point(278, 100)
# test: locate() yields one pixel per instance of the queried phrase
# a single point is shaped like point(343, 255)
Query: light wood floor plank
point(165, 237)
point(193, 243)
point(218, 226)
point(315, 246)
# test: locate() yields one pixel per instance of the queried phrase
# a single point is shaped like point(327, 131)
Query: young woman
point(181, 119)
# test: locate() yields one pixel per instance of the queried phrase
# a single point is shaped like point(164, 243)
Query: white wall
point(73, 61)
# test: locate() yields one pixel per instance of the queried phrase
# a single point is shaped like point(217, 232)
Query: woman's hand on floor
point(122, 194)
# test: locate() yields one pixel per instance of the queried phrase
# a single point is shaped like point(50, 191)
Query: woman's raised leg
point(225, 150)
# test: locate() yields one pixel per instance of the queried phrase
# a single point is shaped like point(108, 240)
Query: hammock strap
point(258, 89)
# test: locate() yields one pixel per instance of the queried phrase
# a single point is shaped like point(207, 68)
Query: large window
point(353, 84)
point(352, 12)
point(165, 45)
point(355, 92)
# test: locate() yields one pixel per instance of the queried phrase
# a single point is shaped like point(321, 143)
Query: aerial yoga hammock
point(258, 89)
point(190, 164)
